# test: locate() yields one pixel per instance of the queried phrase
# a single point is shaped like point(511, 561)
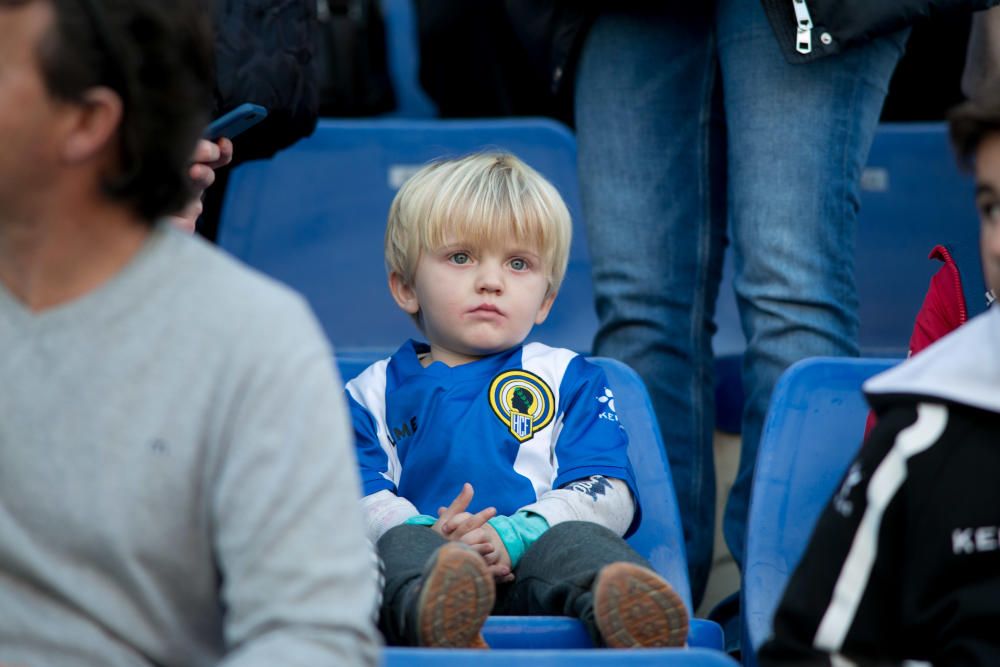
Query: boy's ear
point(403, 293)
point(543, 310)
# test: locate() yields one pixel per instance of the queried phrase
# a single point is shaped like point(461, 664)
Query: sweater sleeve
point(297, 574)
point(518, 532)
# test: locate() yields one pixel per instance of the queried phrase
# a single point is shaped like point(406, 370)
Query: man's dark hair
point(971, 122)
point(157, 55)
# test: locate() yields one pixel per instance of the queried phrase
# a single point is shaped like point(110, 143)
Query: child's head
point(484, 233)
point(975, 133)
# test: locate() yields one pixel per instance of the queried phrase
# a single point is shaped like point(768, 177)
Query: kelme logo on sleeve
point(522, 401)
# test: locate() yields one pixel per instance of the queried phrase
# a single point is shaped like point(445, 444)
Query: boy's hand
point(454, 521)
point(486, 541)
point(456, 524)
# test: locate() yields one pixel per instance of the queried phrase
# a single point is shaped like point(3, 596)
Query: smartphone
point(235, 122)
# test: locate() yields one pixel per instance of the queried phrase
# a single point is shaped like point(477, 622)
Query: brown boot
point(635, 607)
point(456, 597)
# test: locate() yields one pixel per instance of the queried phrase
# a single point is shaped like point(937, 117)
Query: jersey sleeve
point(592, 442)
point(377, 462)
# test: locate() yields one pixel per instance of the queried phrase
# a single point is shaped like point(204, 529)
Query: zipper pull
point(804, 25)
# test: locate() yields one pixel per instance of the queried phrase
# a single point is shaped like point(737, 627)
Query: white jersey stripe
point(536, 458)
point(368, 389)
point(886, 481)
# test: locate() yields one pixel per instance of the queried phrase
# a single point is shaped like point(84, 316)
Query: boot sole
point(633, 607)
point(455, 600)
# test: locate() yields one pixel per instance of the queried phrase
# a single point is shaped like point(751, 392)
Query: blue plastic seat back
point(659, 537)
point(430, 657)
point(813, 430)
point(913, 197)
point(563, 632)
point(314, 217)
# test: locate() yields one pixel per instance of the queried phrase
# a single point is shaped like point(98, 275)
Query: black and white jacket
point(904, 564)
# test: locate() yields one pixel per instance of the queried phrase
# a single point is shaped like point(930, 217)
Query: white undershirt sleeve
point(602, 500)
point(384, 510)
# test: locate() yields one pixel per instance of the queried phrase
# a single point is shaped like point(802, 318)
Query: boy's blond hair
point(483, 199)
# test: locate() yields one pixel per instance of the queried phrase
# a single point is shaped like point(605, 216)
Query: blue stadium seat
point(429, 657)
point(314, 217)
point(562, 632)
point(913, 197)
point(659, 537)
point(814, 427)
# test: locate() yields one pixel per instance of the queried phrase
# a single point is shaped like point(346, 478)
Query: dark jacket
point(835, 25)
point(265, 54)
point(904, 562)
point(553, 30)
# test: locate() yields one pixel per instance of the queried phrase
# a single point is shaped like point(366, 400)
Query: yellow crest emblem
point(522, 401)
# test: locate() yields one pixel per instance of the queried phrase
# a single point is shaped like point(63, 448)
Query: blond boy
point(495, 473)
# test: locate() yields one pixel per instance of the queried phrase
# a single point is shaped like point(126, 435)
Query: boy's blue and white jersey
point(514, 425)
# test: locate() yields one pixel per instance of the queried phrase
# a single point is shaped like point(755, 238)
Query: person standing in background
point(700, 124)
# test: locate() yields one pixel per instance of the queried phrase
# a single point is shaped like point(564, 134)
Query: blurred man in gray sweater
point(177, 483)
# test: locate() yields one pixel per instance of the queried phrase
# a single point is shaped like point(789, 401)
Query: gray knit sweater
point(177, 478)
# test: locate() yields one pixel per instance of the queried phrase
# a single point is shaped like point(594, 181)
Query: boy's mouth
point(487, 308)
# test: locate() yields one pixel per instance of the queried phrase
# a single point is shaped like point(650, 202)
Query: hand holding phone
point(235, 122)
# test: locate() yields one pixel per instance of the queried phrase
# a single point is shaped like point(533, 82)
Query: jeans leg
point(557, 572)
point(798, 139)
point(404, 552)
point(649, 166)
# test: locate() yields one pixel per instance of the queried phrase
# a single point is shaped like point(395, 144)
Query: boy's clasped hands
point(456, 524)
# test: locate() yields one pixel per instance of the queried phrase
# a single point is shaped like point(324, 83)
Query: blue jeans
point(689, 119)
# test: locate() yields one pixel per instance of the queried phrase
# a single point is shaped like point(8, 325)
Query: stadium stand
point(314, 216)
point(813, 429)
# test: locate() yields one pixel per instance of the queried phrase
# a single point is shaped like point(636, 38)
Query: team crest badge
point(522, 401)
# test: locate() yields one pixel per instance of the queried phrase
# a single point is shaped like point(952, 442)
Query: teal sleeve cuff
point(420, 520)
point(518, 532)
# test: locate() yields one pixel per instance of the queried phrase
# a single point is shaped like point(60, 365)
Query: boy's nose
point(489, 280)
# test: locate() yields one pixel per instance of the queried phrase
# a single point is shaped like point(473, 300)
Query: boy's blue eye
point(989, 210)
point(993, 210)
point(460, 258)
point(518, 264)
